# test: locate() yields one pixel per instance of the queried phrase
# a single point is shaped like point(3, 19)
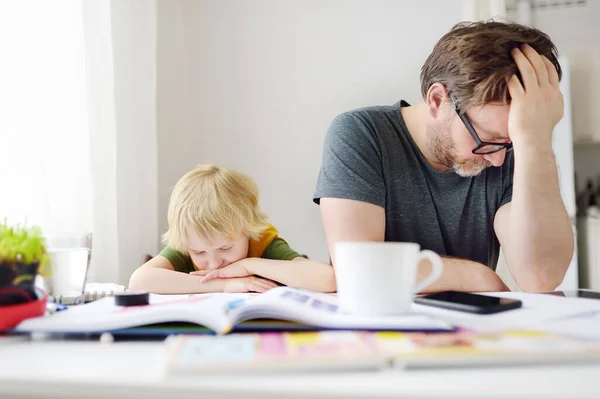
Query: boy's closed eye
point(222, 249)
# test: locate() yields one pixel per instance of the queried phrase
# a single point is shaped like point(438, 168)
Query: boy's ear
point(437, 95)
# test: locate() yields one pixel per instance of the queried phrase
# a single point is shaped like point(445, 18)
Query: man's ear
point(437, 96)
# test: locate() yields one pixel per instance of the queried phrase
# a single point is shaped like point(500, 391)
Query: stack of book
point(354, 350)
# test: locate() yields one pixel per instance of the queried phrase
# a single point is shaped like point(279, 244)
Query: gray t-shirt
point(370, 156)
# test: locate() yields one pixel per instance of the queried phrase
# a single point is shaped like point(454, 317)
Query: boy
point(219, 241)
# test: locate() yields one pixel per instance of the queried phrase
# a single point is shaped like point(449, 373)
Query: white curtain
point(44, 139)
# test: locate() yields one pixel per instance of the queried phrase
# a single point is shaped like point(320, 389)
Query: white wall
point(253, 85)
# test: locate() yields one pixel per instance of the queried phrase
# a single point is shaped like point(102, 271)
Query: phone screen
point(467, 302)
point(465, 298)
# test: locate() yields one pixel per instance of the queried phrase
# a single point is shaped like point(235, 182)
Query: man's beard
point(442, 147)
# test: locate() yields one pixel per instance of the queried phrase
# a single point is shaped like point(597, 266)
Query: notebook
point(469, 349)
point(289, 351)
point(354, 350)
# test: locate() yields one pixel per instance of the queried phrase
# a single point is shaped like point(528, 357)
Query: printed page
point(321, 310)
point(103, 315)
point(538, 310)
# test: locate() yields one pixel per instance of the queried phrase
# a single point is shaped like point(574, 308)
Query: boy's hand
point(248, 284)
point(236, 269)
point(237, 278)
point(537, 104)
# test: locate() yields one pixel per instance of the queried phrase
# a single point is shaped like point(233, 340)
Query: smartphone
point(467, 302)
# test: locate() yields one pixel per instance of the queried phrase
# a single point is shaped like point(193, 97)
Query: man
point(466, 170)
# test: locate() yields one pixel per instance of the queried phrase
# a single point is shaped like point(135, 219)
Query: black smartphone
point(467, 302)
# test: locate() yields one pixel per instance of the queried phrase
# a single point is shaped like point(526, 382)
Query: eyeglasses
point(483, 147)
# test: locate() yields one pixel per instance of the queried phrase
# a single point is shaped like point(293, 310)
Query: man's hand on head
point(537, 104)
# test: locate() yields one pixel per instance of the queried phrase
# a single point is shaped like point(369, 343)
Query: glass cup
point(70, 255)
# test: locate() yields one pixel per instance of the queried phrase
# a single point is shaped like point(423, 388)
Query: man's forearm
point(163, 281)
point(462, 275)
point(540, 243)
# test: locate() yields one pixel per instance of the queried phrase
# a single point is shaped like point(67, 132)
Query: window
point(44, 140)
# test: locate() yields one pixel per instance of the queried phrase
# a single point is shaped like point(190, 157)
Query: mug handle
point(436, 269)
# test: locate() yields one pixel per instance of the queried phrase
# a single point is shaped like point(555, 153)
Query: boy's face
point(218, 253)
point(452, 143)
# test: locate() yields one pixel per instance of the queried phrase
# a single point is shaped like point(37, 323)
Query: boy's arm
point(158, 276)
point(298, 273)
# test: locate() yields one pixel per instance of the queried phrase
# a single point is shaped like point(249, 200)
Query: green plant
point(22, 257)
point(23, 245)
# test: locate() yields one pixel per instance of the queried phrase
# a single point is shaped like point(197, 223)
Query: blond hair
point(215, 203)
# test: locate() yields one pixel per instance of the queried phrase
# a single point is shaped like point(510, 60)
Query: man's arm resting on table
point(462, 275)
point(349, 220)
point(535, 233)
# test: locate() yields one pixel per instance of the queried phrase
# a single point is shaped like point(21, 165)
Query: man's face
point(452, 144)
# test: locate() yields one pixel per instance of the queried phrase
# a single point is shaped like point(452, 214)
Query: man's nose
point(497, 158)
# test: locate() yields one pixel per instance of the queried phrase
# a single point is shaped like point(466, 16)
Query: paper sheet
point(539, 311)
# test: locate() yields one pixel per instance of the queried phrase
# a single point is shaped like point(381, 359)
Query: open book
point(221, 313)
point(359, 350)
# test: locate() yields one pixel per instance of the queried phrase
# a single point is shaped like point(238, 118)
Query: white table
point(90, 369)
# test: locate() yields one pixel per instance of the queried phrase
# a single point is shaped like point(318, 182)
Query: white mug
point(379, 278)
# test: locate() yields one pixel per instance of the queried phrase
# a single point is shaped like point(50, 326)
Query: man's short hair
point(473, 61)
